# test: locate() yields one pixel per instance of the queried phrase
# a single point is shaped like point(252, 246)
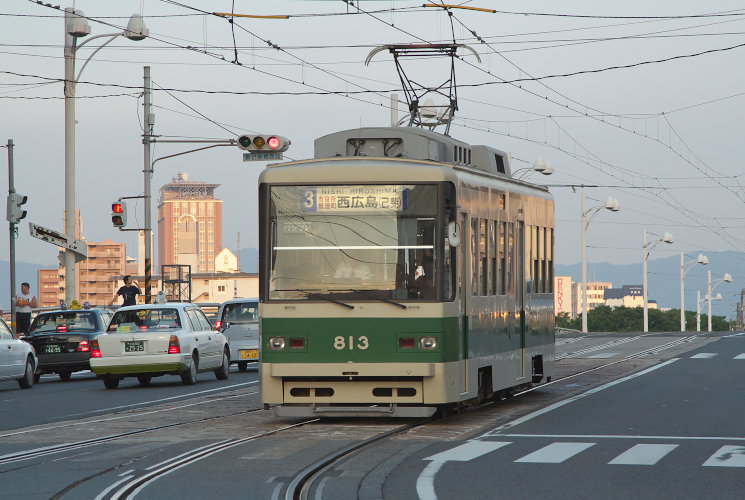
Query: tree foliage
point(631, 319)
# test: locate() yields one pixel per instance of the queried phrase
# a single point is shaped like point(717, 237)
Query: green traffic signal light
point(244, 141)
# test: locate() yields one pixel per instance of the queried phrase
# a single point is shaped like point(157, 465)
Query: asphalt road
point(52, 400)
point(673, 431)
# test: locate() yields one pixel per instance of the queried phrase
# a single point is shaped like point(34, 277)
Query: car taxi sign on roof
point(75, 305)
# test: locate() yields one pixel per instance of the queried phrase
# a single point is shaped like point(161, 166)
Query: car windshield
point(240, 313)
point(64, 321)
point(144, 320)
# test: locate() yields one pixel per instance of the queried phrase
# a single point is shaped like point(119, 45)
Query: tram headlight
point(428, 343)
point(277, 343)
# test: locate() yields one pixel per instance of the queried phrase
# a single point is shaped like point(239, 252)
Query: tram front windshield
point(347, 242)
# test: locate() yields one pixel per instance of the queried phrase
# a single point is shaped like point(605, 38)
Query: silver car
point(238, 319)
point(17, 358)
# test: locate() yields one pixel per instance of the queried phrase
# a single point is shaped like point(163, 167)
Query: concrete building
point(595, 295)
point(226, 262)
point(49, 287)
point(189, 224)
point(626, 296)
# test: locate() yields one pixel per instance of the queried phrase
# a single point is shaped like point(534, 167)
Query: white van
point(238, 319)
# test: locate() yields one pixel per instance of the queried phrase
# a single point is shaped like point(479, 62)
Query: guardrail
point(567, 331)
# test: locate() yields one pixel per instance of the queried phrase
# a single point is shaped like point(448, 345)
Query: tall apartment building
point(189, 224)
point(595, 295)
point(50, 288)
point(96, 274)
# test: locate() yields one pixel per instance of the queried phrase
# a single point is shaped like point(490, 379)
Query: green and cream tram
point(401, 271)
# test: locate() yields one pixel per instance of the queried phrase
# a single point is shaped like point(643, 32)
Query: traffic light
point(264, 143)
point(119, 214)
point(15, 212)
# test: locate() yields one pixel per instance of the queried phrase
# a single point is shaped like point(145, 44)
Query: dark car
point(62, 339)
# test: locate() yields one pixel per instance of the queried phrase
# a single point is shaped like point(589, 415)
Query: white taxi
point(17, 358)
point(147, 341)
point(238, 320)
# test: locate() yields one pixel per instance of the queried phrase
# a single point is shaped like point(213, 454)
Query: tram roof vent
point(411, 143)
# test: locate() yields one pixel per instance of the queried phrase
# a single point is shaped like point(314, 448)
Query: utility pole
point(12, 233)
point(148, 171)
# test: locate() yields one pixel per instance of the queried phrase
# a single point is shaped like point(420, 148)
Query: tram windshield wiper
point(315, 295)
point(370, 295)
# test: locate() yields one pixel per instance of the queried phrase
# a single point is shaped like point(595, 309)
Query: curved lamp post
point(76, 26)
point(646, 248)
point(540, 165)
point(701, 259)
point(698, 308)
point(610, 204)
point(727, 278)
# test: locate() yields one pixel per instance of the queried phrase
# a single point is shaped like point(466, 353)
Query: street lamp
point(540, 165)
point(646, 248)
point(701, 259)
point(612, 205)
point(698, 308)
point(727, 278)
point(76, 26)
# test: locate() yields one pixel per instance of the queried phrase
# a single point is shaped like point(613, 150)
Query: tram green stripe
point(327, 340)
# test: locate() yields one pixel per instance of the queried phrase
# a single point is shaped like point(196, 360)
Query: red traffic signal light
point(264, 143)
point(119, 214)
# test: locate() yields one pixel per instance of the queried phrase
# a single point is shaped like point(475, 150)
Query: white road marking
point(603, 355)
point(643, 454)
point(275, 493)
point(531, 416)
point(111, 487)
point(130, 471)
point(740, 356)
point(467, 451)
point(425, 483)
point(555, 453)
point(611, 436)
point(727, 456)
point(704, 355)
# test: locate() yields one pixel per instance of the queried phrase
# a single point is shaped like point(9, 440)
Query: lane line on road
point(497, 431)
point(611, 436)
point(107, 490)
point(704, 355)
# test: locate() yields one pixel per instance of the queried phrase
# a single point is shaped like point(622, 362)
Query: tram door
point(464, 285)
point(520, 291)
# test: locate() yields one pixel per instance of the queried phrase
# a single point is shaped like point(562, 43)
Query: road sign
point(79, 247)
point(262, 156)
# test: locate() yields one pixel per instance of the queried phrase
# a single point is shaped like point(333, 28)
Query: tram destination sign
point(355, 198)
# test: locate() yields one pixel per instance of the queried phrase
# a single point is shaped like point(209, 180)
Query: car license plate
point(52, 348)
point(249, 354)
point(136, 346)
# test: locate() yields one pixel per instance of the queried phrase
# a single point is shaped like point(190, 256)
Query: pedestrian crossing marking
point(467, 451)
point(740, 356)
point(727, 456)
point(704, 355)
point(643, 454)
point(555, 453)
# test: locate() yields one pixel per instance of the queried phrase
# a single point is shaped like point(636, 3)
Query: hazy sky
point(663, 138)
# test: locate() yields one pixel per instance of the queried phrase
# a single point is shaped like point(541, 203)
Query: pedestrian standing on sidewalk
point(25, 302)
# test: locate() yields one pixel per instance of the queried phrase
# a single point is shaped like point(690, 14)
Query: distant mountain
point(25, 271)
point(249, 260)
point(664, 279)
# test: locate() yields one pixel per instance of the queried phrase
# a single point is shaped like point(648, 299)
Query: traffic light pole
point(148, 171)
point(12, 230)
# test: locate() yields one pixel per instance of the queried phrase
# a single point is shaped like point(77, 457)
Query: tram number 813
point(340, 343)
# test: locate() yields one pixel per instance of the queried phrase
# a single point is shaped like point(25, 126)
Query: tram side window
point(510, 238)
point(501, 283)
point(492, 285)
point(542, 258)
point(549, 260)
point(474, 256)
point(535, 257)
point(483, 269)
